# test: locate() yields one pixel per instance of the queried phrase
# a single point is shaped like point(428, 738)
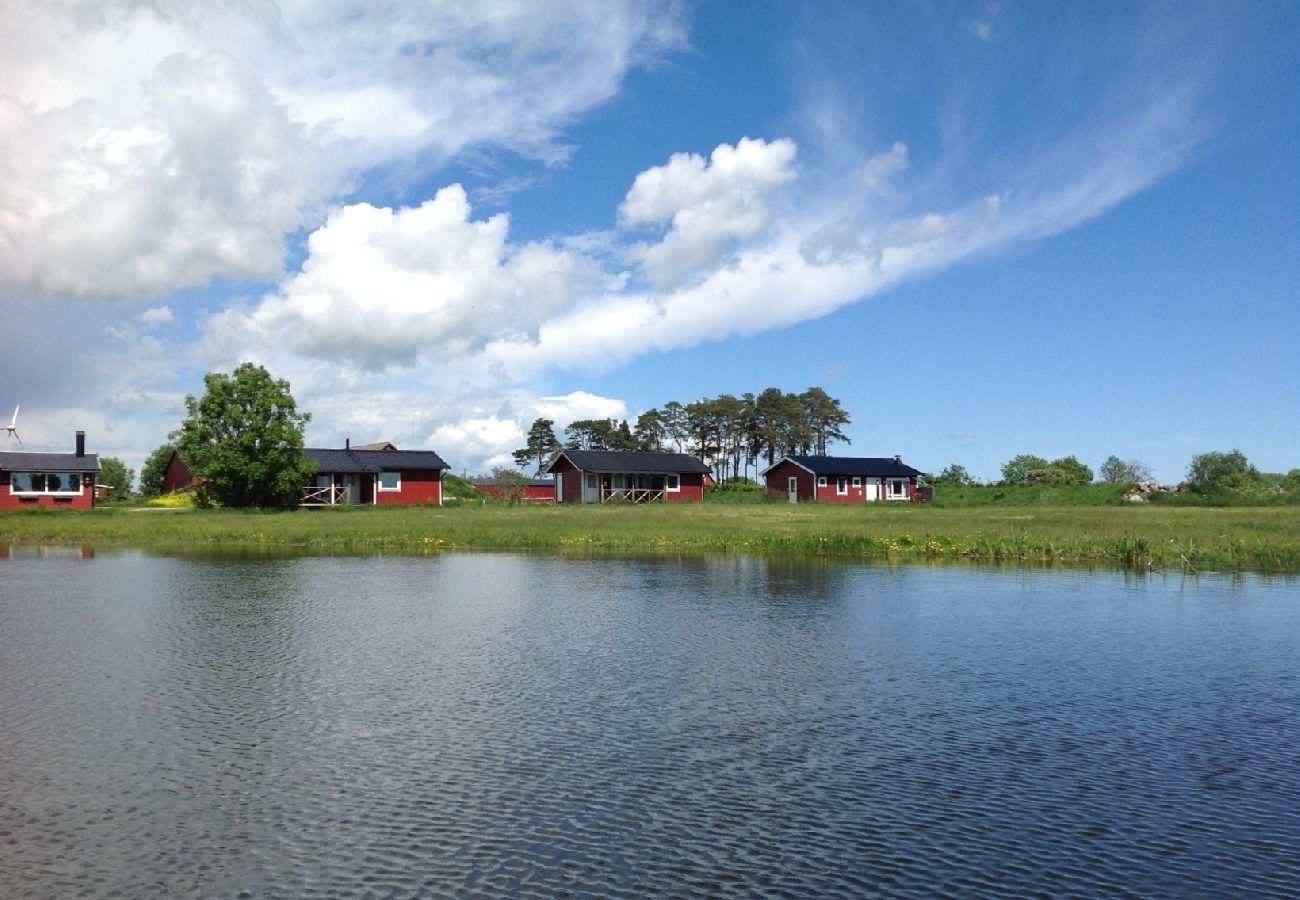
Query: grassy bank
point(1266, 540)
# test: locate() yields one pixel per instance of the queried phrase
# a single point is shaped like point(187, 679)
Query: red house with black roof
point(626, 476)
point(65, 480)
point(374, 474)
point(368, 474)
point(841, 479)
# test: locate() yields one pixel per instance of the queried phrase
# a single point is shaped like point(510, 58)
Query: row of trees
point(728, 433)
point(1208, 473)
point(1030, 469)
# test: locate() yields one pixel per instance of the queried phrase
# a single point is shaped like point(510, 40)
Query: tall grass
point(1266, 540)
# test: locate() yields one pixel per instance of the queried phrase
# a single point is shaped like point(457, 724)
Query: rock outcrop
point(1142, 490)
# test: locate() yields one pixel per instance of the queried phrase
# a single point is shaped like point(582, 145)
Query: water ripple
point(496, 726)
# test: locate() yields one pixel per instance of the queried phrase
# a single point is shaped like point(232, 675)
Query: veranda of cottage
point(632, 487)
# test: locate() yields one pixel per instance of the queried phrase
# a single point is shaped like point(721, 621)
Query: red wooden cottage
point(533, 490)
point(64, 480)
point(376, 474)
point(841, 479)
point(604, 476)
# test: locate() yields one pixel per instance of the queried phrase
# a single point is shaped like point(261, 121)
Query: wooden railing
point(630, 495)
point(326, 495)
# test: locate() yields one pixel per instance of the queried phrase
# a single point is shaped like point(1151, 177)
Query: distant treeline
point(1226, 477)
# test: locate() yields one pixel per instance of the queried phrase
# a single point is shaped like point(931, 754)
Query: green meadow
point(1262, 539)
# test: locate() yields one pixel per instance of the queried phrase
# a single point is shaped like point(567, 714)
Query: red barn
point(841, 479)
point(604, 476)
point(177, 475)
point(64, 480)
point(375, 477)
point(534, 490)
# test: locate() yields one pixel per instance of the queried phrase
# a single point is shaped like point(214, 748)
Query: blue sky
point(987, 228)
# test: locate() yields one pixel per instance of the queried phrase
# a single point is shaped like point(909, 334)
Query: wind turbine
point(12, 431)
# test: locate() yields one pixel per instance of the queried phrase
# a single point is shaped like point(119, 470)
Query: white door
point(591, 488)
point(792, 489)
point(873, 489)
point(559, 487)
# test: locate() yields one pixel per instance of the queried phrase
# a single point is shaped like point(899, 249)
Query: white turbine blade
point(15, 419)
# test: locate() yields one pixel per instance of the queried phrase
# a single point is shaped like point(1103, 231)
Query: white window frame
point(379, 482)
point(81, 485)
point(821, 481)
point(841, 487)
point(672, 483)
point(895, 488)
point(857, 481)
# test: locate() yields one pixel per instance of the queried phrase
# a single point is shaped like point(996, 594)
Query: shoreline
point(1264, 540)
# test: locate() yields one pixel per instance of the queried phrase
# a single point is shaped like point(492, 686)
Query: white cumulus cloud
point(706, 204)
point(380, 287)
point(149, 147)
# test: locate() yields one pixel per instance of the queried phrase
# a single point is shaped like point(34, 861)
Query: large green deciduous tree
point(114, 474)
point(243, 439)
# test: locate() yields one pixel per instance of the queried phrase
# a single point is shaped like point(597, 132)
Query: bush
point(735, 490)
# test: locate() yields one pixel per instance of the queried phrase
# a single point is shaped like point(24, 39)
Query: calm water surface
point(492, 725)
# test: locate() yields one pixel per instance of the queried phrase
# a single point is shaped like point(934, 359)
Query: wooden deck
point(630, 495)
point(329, 495)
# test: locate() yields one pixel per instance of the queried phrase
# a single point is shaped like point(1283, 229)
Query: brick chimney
point(81, 443)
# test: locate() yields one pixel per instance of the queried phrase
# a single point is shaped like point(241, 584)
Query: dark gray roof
point(637, 462)
point(390, 460)
point(337, 461)
point(32, 461)
point(348, 462)
point(835, 466)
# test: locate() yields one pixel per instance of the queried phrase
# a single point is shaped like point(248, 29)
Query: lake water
point(498, 725)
